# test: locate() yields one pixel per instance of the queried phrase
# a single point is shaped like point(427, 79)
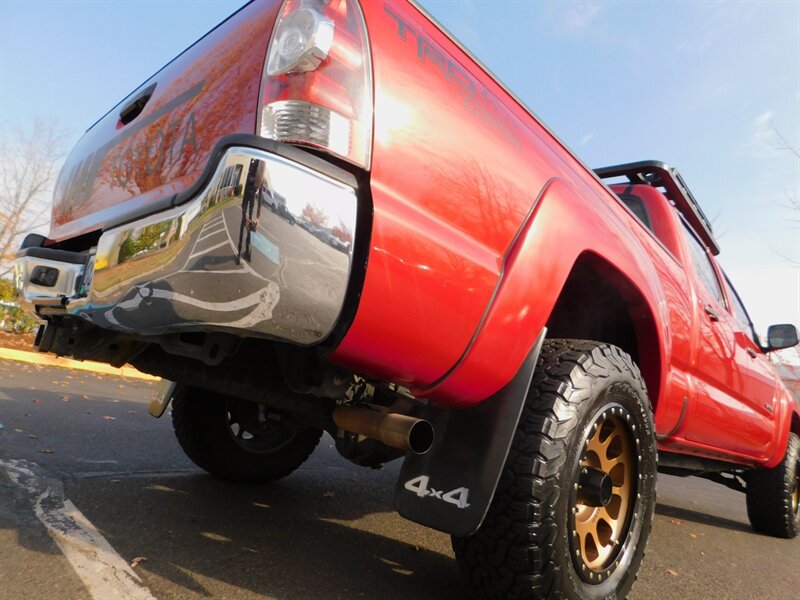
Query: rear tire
point(773, 495)
point(225, 436)
point(587, 412)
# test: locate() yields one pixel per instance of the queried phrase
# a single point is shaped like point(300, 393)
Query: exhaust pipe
point(393, 429)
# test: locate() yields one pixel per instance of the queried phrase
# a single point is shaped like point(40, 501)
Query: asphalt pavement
point(327, 531)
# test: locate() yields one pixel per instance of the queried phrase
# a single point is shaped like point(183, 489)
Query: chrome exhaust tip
point(403, 432)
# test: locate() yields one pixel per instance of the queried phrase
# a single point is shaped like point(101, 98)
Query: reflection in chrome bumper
point(265, 248)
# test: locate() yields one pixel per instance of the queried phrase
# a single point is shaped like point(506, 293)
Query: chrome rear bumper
point(265, 248)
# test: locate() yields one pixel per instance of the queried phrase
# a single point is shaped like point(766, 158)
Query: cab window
point(702, 264)
point(740, 313)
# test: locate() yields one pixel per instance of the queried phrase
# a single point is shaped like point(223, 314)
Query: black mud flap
point(450, 487)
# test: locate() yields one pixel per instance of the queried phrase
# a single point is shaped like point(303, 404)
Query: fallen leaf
point(673, 573)
point(33, 436)
point(115, 480)
point(692, 535)
point(115, 401)
point(37, 401)
point(131, 412)
point(139, 559)
point(84, 397)
point(676, 521)
point(18, 430)
point(328, 494)
point(65, 398)
point(46, 450)
point(107, 418)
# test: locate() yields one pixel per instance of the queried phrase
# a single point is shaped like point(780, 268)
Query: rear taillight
point(317, 87)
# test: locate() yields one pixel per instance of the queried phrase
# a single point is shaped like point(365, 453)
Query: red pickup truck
point(326, 215)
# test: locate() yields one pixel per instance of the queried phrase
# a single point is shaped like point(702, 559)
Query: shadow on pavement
point(702, 518)
point(292, 539)
point(327, 531)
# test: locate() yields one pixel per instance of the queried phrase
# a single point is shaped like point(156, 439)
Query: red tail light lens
point(317, 81)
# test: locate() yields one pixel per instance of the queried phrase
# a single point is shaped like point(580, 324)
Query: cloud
point(579, 16)
point(762, 142)
point(764, 120)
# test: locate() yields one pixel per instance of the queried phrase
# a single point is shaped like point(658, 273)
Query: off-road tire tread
point(510, 556)
point(769, 504)
point(194, 420)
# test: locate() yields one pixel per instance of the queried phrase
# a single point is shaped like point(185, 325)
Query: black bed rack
point(660, 175)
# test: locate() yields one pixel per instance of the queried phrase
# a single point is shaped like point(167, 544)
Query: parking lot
point(327, 531)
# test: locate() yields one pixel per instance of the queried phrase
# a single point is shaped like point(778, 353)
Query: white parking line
point(104, 573)
point(209, 233)
point(204, 250)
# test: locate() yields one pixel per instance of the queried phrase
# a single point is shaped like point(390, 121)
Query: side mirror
point(781, 336)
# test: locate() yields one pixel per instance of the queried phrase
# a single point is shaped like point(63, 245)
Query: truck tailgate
point(134, 159)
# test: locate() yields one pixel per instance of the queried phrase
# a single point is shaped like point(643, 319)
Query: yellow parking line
point(49, 360)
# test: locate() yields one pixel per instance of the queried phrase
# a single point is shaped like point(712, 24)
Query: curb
point(48, 360)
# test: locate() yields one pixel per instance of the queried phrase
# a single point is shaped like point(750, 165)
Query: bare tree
point(29, 162)
point(792, 199)
point(783, 143)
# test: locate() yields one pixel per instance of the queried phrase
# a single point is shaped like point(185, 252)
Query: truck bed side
point(453, 186)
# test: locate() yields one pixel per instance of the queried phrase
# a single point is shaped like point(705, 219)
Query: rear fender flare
point(564, 224)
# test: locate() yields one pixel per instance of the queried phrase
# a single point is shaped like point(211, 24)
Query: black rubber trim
point(65, 256)
point(672, 431)
point(500, 280)
point(469, 450)
point(360, 260)
point(33, 240)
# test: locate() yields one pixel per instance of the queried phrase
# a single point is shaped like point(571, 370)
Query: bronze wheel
point(605, 493)
point(572, 511)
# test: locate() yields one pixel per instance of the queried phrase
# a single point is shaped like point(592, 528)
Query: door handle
point(135, 107)
point(752, 353)
point(712, 314)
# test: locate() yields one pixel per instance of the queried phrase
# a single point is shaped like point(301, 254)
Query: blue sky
point(699, 85)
